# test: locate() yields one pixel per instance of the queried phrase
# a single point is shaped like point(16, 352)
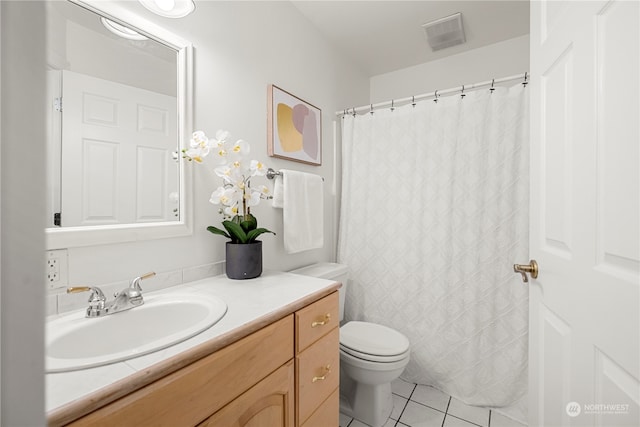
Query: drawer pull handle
point(327, 317)
point(324, 377)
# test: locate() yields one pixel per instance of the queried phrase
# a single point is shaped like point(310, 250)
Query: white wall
point(22, 212)
point(240, 48)
point(503, 59)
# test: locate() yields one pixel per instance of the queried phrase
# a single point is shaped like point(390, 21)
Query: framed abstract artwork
point(294, 128)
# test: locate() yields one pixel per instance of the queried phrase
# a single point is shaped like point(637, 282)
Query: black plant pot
point(244, 261)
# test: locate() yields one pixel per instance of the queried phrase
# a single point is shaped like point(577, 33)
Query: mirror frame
point(118, 233)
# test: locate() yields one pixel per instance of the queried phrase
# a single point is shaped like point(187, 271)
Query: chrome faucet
point(126, 299)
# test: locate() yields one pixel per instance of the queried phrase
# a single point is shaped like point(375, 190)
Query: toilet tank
point(330, 271)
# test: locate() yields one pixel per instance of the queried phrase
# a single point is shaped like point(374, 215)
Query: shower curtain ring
point(413, 101)
point(371, 109)
point(525, 82)
point(354, 111)
point(392, 107)
point(462, 95)
point(435, 99)
point(492, 88)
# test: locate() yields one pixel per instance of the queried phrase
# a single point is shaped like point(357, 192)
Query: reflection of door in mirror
point(113, 124)
point(118, 146)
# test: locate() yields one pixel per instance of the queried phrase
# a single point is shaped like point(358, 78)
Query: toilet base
point(370, 404)
point(345, 406)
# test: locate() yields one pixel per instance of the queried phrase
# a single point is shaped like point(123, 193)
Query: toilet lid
point(372, 339)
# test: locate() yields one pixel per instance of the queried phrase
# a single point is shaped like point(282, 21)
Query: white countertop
point(247, 300)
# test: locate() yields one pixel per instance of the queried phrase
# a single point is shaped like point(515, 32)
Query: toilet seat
point(372, 357)
point(373, 342)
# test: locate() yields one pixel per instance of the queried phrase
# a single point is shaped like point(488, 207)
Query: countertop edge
point(78, 408)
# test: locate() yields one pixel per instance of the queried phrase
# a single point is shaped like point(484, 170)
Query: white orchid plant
point(236, 196)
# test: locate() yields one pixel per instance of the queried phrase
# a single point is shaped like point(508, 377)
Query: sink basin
point(75, 342)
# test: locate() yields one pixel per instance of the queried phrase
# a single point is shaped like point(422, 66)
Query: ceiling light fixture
point(121, 30)
point(170, 8)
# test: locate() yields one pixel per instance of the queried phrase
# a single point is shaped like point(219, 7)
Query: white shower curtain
point(434, 214)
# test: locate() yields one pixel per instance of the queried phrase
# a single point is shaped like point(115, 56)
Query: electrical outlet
point(56, 269)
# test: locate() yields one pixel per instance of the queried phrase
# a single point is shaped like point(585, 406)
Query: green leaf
point(249, 222)
point(216, 230)
point(237, 233)
point(253, 234)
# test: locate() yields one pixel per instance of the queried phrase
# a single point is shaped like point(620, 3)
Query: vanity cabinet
point(284, 374)
point(268, 403)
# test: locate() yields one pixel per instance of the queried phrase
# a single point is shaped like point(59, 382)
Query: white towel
point(278, 192)
point(303, 211)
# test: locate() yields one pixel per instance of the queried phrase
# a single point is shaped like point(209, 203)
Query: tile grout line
point(405, 404)
point(434, 407)
point(446, 412)
point(466, 420)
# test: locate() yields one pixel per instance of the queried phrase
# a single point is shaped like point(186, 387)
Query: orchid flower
point(221, 138)
point(224, 196)
point(235, 196)
point(220, 155)
point(231, 210)
point(257, 168)
point(239, 150)
point(199, 139)
point(263, 190)
point(195, 154)
point(252, 198)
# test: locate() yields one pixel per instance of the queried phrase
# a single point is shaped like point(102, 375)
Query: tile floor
point(423, 406)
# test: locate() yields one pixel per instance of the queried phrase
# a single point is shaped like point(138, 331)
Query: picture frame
point(294, 128)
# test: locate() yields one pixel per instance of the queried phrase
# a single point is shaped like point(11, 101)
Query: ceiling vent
point(445, 32)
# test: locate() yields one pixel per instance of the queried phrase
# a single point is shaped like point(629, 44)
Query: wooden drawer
point(316, 320)
point(190, 395)
point(317, 373)
point(327, 414)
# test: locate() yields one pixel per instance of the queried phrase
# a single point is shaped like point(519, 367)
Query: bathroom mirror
point(119, 97)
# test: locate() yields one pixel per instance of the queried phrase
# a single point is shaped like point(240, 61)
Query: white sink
point(75, 342)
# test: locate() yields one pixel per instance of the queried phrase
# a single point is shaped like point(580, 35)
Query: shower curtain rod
point(436, 94)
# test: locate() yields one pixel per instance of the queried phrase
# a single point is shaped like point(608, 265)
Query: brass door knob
point(531, 268)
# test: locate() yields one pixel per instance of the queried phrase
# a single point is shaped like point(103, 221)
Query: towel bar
point(271, 174)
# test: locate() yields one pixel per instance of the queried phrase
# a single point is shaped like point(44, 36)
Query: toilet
point(371, 357)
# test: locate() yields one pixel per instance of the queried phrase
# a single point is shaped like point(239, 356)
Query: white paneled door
point(585, 186)
point(117, 153)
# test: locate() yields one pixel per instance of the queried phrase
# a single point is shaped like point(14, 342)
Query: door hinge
point(57, 104)
point(57, 219)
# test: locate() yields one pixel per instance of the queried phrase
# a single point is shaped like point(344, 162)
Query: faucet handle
point(76, 289)
point(96, 293)
point(96, 299)
point(148, 275)
point(135, 283)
